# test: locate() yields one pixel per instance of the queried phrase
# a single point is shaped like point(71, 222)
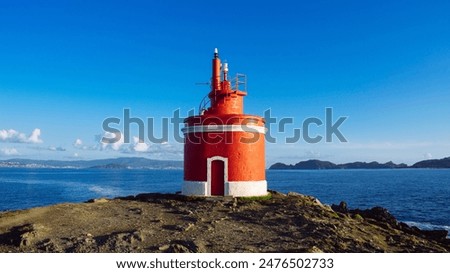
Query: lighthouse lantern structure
point(224, 148)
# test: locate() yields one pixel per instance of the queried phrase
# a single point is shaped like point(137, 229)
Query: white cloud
point(116, 141)
point(49, 148)
point(101, 143)
point(163, 150)
point(166, 151)
point(35, 136)
point(428, 156)
point(140, 146)
point(9, 151)
point(11, 136)
point(116, 145)
point(14, 136)
point(78, 143)
point(56, 149)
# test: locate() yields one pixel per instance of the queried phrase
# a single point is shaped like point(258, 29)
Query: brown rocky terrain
point(175, 223)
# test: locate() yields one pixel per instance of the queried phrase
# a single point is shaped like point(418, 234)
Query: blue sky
point(65, 66)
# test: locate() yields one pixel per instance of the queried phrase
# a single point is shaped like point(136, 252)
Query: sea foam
point(428, 226)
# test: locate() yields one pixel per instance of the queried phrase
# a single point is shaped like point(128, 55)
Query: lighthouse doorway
point(217, 173)
point(217, 177)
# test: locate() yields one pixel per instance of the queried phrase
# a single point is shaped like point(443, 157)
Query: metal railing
point(239, 83)
point(204, 104)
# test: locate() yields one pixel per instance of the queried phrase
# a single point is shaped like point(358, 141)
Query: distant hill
point(372, 165)
point(314, 164)
point(114, 163)
point(433, 163)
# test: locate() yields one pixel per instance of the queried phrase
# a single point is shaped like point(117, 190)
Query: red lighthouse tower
point(224, 148)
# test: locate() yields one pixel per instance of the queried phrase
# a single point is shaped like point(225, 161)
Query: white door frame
point(208, 174)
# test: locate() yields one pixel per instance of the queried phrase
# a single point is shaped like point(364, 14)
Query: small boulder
point(342, 207)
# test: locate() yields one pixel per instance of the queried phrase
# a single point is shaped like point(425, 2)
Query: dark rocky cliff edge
point(175, 223)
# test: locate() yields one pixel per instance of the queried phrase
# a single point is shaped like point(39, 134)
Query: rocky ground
point(175, 223)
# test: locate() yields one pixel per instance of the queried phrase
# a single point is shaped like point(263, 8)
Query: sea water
point(417, 196)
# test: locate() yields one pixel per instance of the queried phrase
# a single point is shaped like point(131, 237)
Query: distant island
point(433, 163)
point(113, 163)
point(315, 164)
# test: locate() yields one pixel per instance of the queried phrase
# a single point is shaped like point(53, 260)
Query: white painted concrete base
point(197, 188)
point(246, 188)
point(232, 188)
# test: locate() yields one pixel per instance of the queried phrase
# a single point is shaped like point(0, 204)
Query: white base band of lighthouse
point(232, 188)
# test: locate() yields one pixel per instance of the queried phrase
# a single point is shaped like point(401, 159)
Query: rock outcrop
point(442, 163)
point(174, 223)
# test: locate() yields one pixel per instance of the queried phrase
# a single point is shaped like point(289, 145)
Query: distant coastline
point(136, 163)
point(113, 163)
point(314, 164)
